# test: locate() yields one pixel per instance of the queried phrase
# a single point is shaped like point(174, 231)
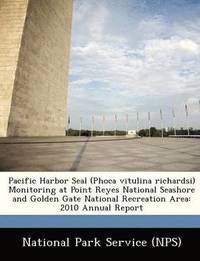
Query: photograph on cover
point(108, 85)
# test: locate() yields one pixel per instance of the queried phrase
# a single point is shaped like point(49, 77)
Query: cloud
point(80, 82)
point(129, 70)
point(128, 57)
point(171, 45)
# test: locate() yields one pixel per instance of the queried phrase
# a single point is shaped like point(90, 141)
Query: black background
point(11, 238)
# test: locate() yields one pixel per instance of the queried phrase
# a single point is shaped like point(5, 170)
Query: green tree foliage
point(143, 133)
point(87, 133)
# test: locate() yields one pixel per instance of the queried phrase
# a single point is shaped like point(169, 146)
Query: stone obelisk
point(34, 62)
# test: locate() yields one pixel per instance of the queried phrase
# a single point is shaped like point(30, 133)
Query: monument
point(34, 61)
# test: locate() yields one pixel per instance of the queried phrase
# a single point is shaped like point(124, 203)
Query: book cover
point(99, 125)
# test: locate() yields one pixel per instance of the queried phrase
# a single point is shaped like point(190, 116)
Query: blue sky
point(135, 55)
